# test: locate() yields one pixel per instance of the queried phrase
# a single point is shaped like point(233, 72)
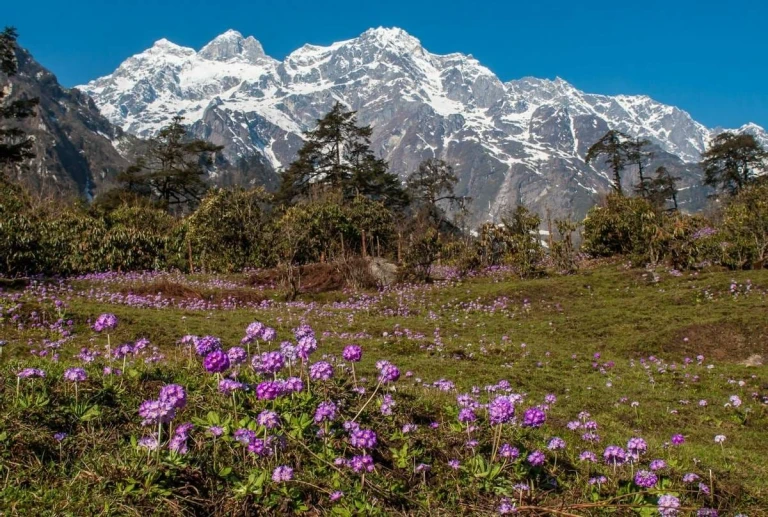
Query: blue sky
point(706, 57)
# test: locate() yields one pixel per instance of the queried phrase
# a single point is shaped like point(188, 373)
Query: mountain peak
point(164, 48)
point(231, 45)
point(392, 36)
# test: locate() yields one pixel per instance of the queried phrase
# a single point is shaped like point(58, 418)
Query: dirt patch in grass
point(165, 287)
point(179, 291)
point(315, 278)
point(729, 342)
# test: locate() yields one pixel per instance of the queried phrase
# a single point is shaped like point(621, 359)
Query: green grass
point(618, 312)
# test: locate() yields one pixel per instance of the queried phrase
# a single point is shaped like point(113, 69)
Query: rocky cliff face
point(77, 150)
point(519, 141)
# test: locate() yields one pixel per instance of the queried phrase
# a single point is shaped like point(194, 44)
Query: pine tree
point(337, 156)
point(15, 144)
point(663, 188)
point(639, 154)
point(614, 146)
point(173, 170)
point(434, 183)
point(732, 161)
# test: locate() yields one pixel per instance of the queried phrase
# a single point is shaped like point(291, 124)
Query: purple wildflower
point(508, 452)
point(207, 344)
point(501, 410)
point(352, 353)
point(360, 464)
point(321, 370)
point(534, 417)
point(229, 386)
point(467, 415)
point(556, 443)
point(282, 474)
point(27, 373)
point(645, 479)
point(216, 362)
point(363, 438)
point(156, 411)
point(75, 375)
point(536, 458)
point(293, 385)
point(387, 403)
point(268, 419)
point(237, 355)
point(244, 436)
point(306, 346)
point(668, 505)
point(388, 372)
point(174, 395)
point(106, 322)
point(325, 412)
point(268, 362)
point(614, 455)
point(269, 390)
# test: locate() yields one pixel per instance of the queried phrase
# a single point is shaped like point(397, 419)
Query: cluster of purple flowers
point(668, 505)
point(178, 443)
point(207, 344)
point(636, 447)
point(282, 473)
point(216, 362)
point(229, 386)
point(467, 415)
point(258, 330)
point(352, 353)
point(645, 479)
point(536, 458)
point(387, 403)
point(269, 390)
point(268, 362)
point(320, 371)
point(556, 443)
point(534, 417)
point(268, 419)
point(363, 438)
point(237, 355)
point(106, 322)
point(156, 411)
point(174, 395)
point(26, 373)
point(501, 410)
point(75, 375)
point(508, 452)
point(614, 455)
point(163, 410)
point(388, 372)
point(360, 464)
point(325, 412)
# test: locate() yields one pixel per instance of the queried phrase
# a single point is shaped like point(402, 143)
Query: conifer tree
point(173, 170)
point(15, 144)
point(732, 162)
point(433, 183)
point(613, 145)
point(337, 156)
point(639, 154)
point(663, 188)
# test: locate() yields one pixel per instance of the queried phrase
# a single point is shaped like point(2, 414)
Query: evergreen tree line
point(339, 200)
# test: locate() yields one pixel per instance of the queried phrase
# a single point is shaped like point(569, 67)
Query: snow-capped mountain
point(520, 141)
